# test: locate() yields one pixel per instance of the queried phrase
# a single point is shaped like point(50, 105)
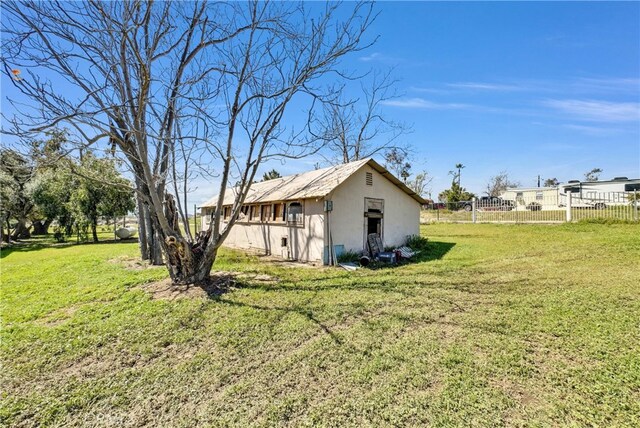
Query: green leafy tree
point(52, 191)
point(455, 194)
point(100, 191)
point(17, 172)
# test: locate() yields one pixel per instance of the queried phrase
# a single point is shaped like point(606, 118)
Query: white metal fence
point(538, 208)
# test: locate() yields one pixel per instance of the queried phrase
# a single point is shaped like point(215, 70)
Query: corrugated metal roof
point(311, 184)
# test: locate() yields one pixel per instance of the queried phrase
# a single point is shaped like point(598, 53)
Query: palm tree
point(459, 167)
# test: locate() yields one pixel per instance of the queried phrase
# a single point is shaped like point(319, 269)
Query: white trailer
point(598, 194)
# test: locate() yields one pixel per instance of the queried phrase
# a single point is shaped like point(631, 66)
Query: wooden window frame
point(264, 218)
point(295, 223)
point(253, 218)
point(279, 218)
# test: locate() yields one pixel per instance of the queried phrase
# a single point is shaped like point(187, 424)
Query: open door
point(373, 218)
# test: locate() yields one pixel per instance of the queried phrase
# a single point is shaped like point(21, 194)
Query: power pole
point(538, 180)
point(195, 220)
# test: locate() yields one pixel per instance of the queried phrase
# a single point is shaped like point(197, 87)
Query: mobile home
point(598, 194)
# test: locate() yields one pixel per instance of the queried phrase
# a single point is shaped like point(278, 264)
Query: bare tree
point(499, 183)
point(354, 129)
point(214, 79)
point(420, 183)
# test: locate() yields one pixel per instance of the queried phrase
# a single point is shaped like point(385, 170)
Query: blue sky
point(531, 88)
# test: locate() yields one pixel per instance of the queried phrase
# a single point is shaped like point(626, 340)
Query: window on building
point(244, 213)
point(539, 196)
point(295, 214)
point(369, 179)
point(254, 213)
point(572, 189)
point(278, 212)
point(226, 213)
point(266, 213)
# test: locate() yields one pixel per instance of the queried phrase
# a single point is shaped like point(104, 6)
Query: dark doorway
point(374, 223)
point(373, 218)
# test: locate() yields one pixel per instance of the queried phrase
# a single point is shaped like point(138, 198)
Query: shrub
point(348, 256)
point(417, 242)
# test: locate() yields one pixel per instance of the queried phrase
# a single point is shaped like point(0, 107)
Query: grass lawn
point(498, 325)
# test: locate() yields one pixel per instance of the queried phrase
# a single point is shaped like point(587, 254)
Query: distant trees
point(499, 183)
point(271, 175)
point(455, 193)
point(16, 174)
point(99, 191)
point(420, 183)
point(397, 161)
point(551, 182)
point(457, 174)
point(45, 187)
point(593, 175)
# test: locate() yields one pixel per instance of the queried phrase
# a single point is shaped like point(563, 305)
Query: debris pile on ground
point(406, 252)
point(377, 253)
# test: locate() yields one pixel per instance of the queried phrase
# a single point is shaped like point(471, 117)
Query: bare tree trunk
point(142, 230)
point(154, 248)
point(186, 261)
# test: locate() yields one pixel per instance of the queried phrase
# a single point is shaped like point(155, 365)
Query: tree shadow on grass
point(435, 251)
point(300, 309)
point(216, 289)
point(37, 244)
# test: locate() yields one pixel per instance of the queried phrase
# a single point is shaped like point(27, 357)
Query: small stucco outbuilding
point(297, 217)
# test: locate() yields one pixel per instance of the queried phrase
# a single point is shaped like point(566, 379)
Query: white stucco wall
point(401, 211)
point(347, 221)
point(304, 243)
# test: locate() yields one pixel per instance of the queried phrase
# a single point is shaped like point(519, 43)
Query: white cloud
point(485, 86)
point(608, 85)
point(371, 57)
point(421, 103)
point(597, 111)
point(593, 130)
